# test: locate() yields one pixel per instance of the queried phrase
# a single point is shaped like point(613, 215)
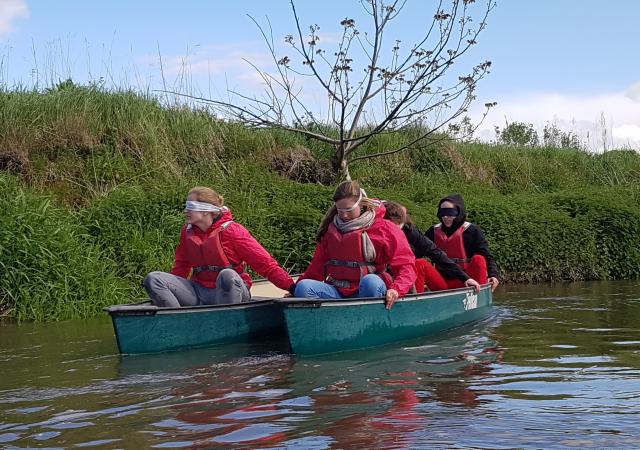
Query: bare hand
point(493, 281)
point(391, 297)
point(473, 283)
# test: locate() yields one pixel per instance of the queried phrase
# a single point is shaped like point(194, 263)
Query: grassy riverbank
point(92, 185)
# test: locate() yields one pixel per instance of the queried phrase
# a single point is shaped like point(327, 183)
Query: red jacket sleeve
point(181, 267)
point(260, 260)
point(400, 258)
point(315, 271)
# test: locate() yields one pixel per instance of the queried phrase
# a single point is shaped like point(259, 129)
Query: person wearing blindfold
point(463, 242)
point(211, 258)
point(433, 278)
point(355, 247)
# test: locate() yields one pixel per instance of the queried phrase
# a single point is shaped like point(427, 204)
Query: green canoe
point(145, 328)
point(325, 326)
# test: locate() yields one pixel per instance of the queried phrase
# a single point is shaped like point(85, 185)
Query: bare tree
point(371, 88)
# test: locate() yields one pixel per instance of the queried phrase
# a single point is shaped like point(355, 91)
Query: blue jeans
point(370, 286)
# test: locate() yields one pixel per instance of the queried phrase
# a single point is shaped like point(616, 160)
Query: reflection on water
point(553, 367)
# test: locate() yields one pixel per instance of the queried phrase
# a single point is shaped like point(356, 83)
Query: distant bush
point(522, 134)
point(518, 134)
point(554, 137)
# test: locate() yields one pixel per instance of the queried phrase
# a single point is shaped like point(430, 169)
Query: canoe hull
point(144, 328)
point(327, 326)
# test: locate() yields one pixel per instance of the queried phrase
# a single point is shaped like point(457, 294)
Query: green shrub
point(517, 134)
point(532, 241)
point(612, 217)
point(49, 268)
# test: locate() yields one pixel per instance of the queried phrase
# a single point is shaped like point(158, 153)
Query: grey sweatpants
point(166, 289)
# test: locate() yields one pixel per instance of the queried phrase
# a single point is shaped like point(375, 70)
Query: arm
point(315, 271)
point(181, 266)
point(260, 260)
point(430, 234)
point(481, 247)
point(400, 259)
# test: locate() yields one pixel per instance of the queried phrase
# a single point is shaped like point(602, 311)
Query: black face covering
point(450, 212)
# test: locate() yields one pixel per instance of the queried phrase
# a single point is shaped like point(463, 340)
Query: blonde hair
point(208, 195)
point(346, 189)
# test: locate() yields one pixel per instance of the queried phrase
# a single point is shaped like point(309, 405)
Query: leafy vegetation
point(92, 186)
point(50, 269)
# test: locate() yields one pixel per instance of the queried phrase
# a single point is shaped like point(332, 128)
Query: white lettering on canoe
point(470, 301)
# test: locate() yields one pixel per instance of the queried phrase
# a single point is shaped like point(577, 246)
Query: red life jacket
point(206, 255)
point(346, 264)
point(452, 245)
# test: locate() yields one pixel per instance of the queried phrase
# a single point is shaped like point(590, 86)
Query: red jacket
point(239, 246)
point(392, 251)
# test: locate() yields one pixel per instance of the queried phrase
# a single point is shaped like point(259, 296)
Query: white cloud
point(11, 10)
point(628, 131)
point(210, 62)
point(634, 92)
point(607, 120)
point(219, 70)
point(329, 38)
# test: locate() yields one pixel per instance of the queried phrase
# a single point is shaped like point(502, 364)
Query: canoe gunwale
point(146, 308)
point(295, 302)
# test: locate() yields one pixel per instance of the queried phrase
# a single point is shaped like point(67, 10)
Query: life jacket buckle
point(343, 284)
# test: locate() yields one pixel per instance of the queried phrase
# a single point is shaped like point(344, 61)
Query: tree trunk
point(344, 169)
point(341, 168)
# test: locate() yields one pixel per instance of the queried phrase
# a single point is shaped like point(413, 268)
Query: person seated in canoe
point(426, 274)
point(463, 242)
point(210, 262)
point(355, 246)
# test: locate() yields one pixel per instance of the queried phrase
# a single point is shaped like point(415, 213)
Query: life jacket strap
point(198, 269)
point(365, 268)
point(353, 264)
point(461, 260)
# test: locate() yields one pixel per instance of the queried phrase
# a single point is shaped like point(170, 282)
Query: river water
point(553, 367)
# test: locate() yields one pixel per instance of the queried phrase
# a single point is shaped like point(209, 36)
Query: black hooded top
point(475, 242)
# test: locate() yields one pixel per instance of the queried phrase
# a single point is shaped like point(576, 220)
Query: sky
point(573, 63)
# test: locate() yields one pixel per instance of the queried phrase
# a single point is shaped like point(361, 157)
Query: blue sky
point(572, 62)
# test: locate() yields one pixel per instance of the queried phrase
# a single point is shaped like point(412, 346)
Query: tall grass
point(92, 185)
point(49, 270)
point(512, 170)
